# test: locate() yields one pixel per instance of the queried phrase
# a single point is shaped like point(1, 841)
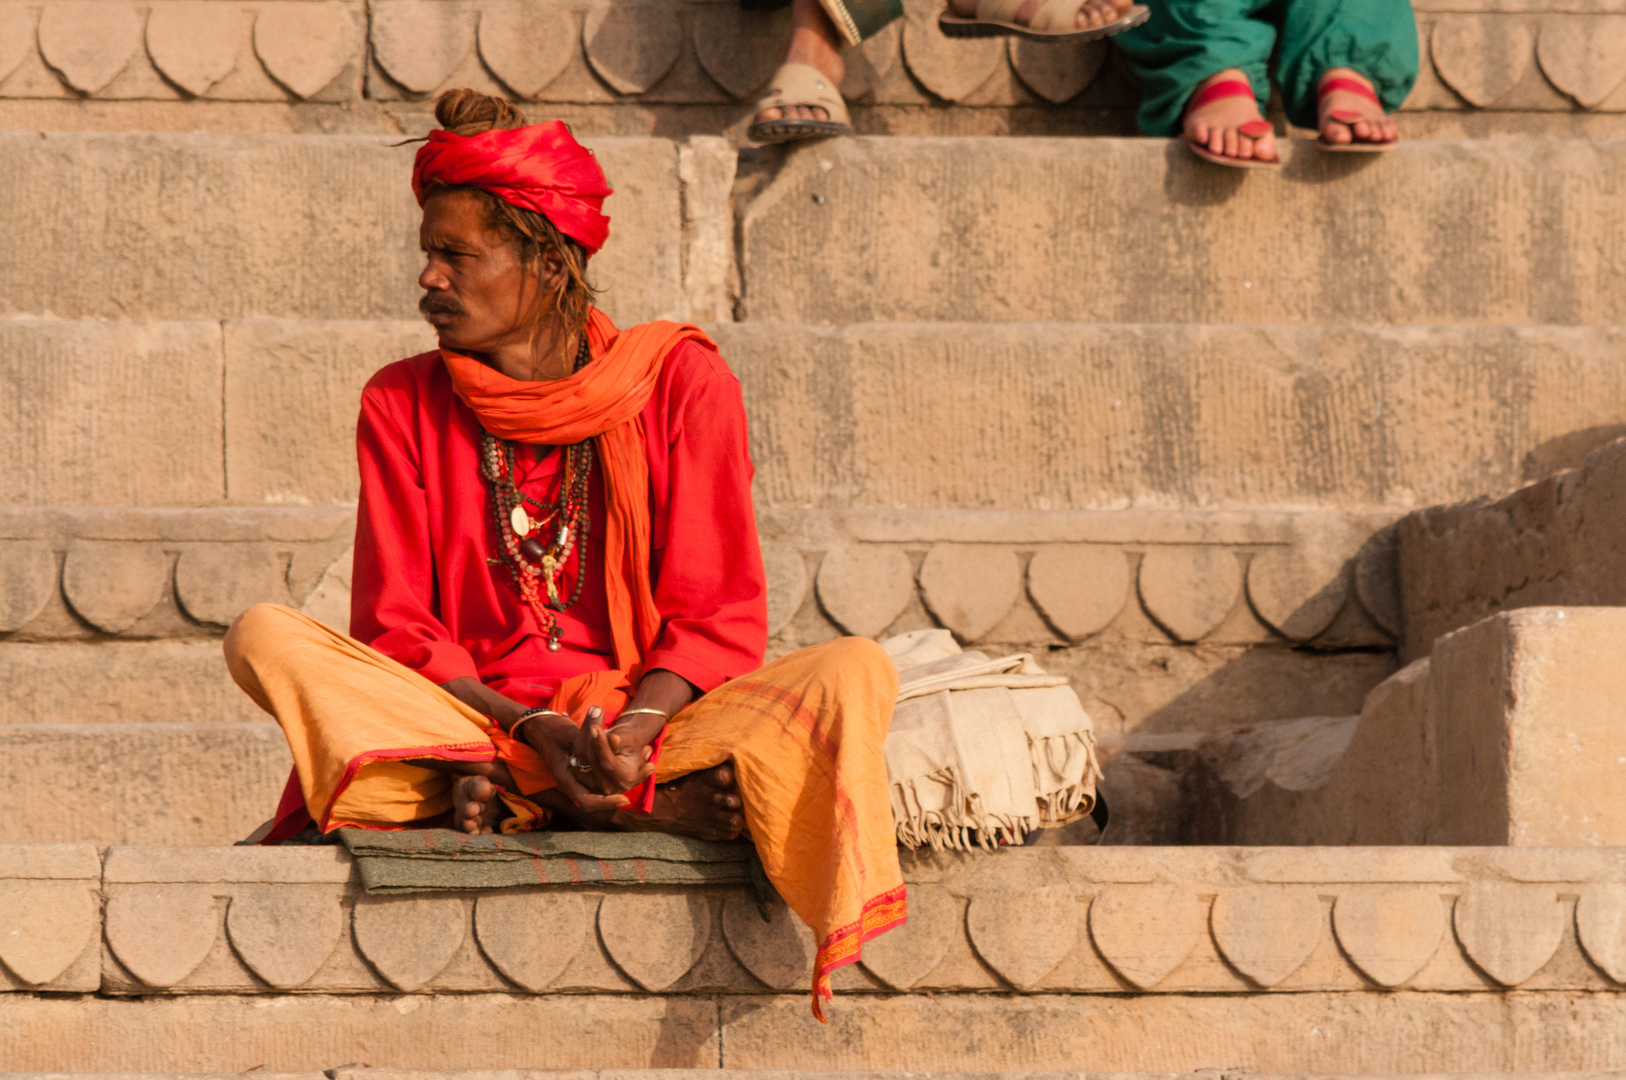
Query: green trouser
point(1186, 41)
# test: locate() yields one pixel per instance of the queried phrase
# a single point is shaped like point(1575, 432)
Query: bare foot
point(705, 805)
point(813, 41)
point(1218, 125)
point(1346, 116)
point(1094, 13)
point(475, 805)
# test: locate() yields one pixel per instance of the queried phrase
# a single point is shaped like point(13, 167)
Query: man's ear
point(551, 273)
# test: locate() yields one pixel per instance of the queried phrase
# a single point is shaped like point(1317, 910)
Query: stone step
point(1302, 961)
point(151, 783)
point(927, 415)
point(364, 1072)
point(1136, 230)
point(1504, 231)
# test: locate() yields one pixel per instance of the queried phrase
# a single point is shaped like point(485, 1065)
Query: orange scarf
point(603, 401)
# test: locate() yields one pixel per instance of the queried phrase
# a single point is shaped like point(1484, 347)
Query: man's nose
point(433, 277)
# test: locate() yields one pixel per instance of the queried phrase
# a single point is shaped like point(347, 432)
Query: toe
point(1231, 143)
point(723, 775)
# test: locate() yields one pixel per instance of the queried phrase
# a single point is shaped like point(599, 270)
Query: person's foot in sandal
point(1349, 112)
point(1223, 123)
point(1092, 14)
point(814, 43)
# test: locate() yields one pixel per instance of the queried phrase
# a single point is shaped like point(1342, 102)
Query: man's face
point(478, 295)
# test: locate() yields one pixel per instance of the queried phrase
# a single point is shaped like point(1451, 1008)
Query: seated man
point(559, 601)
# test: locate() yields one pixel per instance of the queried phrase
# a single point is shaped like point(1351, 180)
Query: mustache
point(439, 303)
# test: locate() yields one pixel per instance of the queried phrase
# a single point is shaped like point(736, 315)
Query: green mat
point(423, 860)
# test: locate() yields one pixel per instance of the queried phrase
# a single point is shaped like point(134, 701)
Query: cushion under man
point(559, 607)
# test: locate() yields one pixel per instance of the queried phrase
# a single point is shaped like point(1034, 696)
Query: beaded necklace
point(522, 523)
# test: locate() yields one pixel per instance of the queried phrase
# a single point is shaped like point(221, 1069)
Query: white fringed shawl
point(983, 751)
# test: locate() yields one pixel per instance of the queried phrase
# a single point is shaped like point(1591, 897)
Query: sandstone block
point(410, 939)
point(865, 588)
point(706, 166)
point(305, 46)
point(656, 936)
point(1189, 590)
point(739, 49)
point(903, 956)
point(970, 587)
point(526, 45)
point(787, 583)
point(1266, 932)
point(632, 47)
point(1024, 933)
point(159, 933)
point(779, 950)
point(915, 214)
point(1600, 923)
point(16, 34)
point(88, 42)
point(420, 42)
point(215, 583)
point(1481, 57)
point(314, 371)
point(1510, 930)
point(194, 42)
point(531, 937)
point(1145, 931)
point(118, 683)
point(284, 933)
point(1530, 749)
point(49, 916)
point(139, 783)
point(1079, 588)
point(282, 226)
point(1057, 74)
point(27, 581)
point(85, 421)
point(1584, 57)
point(950, 69)
point(1389, 933)
point(111, 584)
point(1299, 590)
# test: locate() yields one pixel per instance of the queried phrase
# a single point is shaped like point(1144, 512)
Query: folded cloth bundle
point(418, 860)
point(983, 751)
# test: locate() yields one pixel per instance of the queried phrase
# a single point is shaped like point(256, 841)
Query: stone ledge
point(1084, 921)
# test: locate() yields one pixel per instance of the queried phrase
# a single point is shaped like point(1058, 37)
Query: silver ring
point(578, 766)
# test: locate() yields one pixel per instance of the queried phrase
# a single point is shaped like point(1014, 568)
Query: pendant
point(553, 638)
point(521, 521)
point(531, 550)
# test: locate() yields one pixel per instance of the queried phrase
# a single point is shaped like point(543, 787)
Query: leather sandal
point(1253, 129)
point(1350, 119)
point(805, 85)
point(1056, 20)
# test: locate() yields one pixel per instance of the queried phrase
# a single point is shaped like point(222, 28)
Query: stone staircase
point(1175, 429)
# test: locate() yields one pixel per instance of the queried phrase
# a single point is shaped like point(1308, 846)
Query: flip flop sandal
point(800, 84)
point(1350, 119)
point(1056, 20)
point(1253, 129)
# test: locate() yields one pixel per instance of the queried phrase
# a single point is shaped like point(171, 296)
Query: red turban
point(541, 168)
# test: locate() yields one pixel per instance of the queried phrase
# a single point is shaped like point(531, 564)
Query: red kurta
point(424, 594)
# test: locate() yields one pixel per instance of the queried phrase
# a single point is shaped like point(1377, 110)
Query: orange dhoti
point(805, 734)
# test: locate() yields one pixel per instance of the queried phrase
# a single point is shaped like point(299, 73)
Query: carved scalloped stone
point(1189, 590)
point(654, 937)
point(1509, 930)
point(419, 43)
point(1079, 588)
point(1298, 589)
point(868, 64)
point(970, 587)
point(329, 602)
point(532, 936)
point(525, 44)
point(1600, 923)
point(903, 956)
point(787, 583)
point(284, 933)
point(410, 939)
point(112, 583)
point(950, 69)
point(195, 42)
point(1266, 931)
point(215, 583)
point(304, 46)
point(1057, 71)
point(632, 47)
point(1481, 57)
point(27, 580)
point(740, 49)
point(865, 588)
point(16, 34)
point(1389, 933)
point(1583, 56)
point(89, 42)
point(1377, 579)
point(779, 952)
point(160, 933)
point(1145, 931)
point(44, 927)
point(1024, 934)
